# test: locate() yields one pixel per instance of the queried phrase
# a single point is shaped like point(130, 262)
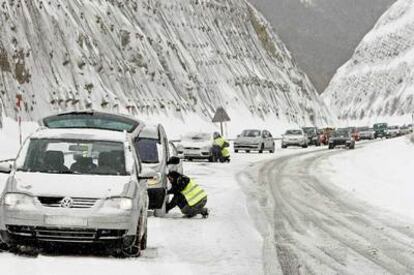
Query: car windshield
point(293, 132)
point(199, 137)
point(380, 126)
point(62, 156)
point(393, 127)
point(363, 129)
point(95, 121)
point(341, 133)
point(310, 130)
point(250, 133)
point(148, 150)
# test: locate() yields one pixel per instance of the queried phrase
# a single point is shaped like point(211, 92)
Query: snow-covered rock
point(174, 59)
point(378, 82)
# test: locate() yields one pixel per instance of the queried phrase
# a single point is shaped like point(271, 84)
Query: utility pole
point(19, 100)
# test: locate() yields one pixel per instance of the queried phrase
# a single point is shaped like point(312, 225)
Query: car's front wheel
point(134, 249)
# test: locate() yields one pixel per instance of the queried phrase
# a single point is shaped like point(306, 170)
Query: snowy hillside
point(164, 59)
point(378, 82)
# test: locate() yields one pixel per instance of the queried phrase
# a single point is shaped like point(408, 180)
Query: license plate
point(71, 221)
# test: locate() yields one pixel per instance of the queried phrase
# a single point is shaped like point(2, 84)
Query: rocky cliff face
point(322, 34)
point(378, 81)
point(149, 58)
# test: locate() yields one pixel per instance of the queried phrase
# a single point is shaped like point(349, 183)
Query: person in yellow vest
point(223, 146)
point(188, 196)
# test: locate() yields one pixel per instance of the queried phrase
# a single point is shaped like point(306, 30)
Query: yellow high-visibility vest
point(193, 193)
point(224, 150)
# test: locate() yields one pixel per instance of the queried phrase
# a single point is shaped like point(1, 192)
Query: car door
point(270, 140)
point(174, 153)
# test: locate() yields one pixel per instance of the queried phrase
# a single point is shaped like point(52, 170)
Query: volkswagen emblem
point(66, 202)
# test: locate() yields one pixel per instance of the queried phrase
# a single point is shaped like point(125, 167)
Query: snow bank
point(380, 173)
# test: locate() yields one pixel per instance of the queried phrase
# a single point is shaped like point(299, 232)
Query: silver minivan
point(81, 186)
point(150, 143)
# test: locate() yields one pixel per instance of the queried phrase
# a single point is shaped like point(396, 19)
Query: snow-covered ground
point(226, 243)
point(380, 174)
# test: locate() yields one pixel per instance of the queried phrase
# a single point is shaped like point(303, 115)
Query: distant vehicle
point(254, 140)
point(295, 137)
point(392, 132)
point(355, 133)
point(366, 133)
point(405, 130)
point(325, 134)
point(79, 186)
point(380, 130)
point(174, 153)
point(197, 146)
point(150, 143)
point(342, 137)
point(313, 135)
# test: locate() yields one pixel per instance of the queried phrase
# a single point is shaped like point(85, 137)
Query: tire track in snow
point(320, 228)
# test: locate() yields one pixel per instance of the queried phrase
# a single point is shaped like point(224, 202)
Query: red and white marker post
point(19, 101)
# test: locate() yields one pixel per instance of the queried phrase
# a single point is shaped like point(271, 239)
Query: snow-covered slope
point(171, 59)
point(378, 82)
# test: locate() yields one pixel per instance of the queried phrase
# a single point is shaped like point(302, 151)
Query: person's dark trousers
point(191, 211)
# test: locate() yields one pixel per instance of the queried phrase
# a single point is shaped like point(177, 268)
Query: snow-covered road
point(316, 226)
point(294, 212)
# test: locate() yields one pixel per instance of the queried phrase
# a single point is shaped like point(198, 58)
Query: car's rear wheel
point(247, 151)
point(236, 151)
point(331, 146)
point(272, 150)
point(284, 146)
point(261, 149)
point(161, 212)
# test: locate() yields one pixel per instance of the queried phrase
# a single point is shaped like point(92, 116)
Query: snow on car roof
point(83, 134)
point(150, 131)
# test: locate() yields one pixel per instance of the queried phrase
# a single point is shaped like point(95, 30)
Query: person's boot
point(204, 213)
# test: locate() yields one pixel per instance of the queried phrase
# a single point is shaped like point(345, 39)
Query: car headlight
point(14, 200)
point(119, 203)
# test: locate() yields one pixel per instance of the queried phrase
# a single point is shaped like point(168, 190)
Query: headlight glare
point(15, 199)
point(119, 203)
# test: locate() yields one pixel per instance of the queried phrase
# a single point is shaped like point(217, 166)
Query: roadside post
point(19, 100)
point(221, 116)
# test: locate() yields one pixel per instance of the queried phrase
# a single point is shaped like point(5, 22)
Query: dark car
point(380, 130)
point(313, 135)
point(342, 137)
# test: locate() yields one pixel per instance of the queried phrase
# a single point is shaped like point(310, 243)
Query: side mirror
point(148, 174)
point(238, 136)
point(6, 166)
point(173, 161)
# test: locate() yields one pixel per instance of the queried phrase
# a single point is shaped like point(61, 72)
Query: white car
point(197, 146)
point(392, 131)
point(254, 140)
point(80, 186)
point(295, 137)
point(366, 133)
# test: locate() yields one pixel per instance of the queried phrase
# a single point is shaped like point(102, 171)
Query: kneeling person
point(188, 196)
